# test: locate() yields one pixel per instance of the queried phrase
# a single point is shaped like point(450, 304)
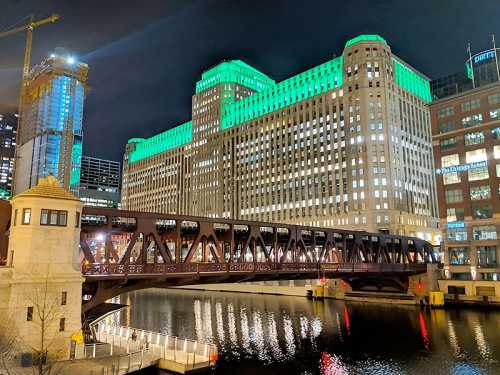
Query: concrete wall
point(472, 293)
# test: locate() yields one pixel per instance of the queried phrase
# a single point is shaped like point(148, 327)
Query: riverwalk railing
point(188, 353)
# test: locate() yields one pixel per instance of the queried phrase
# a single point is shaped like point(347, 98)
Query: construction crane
point(29, 27)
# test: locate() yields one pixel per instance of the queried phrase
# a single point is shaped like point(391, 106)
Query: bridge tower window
point(54, 217)
point(26, 216)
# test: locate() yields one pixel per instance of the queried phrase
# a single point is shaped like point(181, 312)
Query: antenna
point(496, 56)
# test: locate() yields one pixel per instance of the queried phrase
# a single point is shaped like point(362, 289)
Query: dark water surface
point(258, 334)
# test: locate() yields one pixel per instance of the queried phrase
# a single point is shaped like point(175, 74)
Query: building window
point(446, 127)
point(459, 255)
point(454, 214)
point(77, 220)
point(485, 232)
point(29, 314)
point(453, 196)
point(15, 214)
point(482, 211)
point(496, 152)
point(26, 216)
point(495, 113)
point(54, 217)
point(486, 256)
point(445, 112)
point(452, 289)
point(62, 324)
point(495, 133)
point(457, 234)
point(480, 192)
point(472, 120)
point(470, 105)
point(448, 143)
point(449, 161)
point(494, 98)
point(64, 298)
point(474, 138)
point(474, 157)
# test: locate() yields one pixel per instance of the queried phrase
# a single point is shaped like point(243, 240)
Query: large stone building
point(346, 143)
point(50, 132)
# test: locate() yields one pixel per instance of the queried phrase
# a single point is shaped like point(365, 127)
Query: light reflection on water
point(292, 335)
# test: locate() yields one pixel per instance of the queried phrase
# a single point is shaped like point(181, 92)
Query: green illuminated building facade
point(346, 143)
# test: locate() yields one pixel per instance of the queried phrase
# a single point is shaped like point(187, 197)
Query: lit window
point(459, 255)
point(474, 138)
point(485, 232)
point(480, 192)
point(26, 216)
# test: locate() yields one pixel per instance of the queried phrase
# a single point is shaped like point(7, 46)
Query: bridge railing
point(103, 269)
point(190, 353)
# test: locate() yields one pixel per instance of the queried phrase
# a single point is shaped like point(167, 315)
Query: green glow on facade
point(411, 81)
point(234, 71)
point(4, 194)
point(76, 162)
point(365, 38)
point(269, 96)
point(305, 85)
point(172, 138)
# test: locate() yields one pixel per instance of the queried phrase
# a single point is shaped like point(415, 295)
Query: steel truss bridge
point(125, 250)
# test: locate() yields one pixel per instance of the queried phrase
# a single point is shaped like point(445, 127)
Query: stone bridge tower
point(42, 281)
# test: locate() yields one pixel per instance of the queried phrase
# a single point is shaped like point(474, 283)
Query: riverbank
point(342, 293)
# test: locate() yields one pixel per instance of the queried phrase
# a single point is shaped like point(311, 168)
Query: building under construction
point(50, 139)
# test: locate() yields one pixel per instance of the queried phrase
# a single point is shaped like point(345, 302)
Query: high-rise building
point(100, 182)
point(8, 127)
point(346, 144)
point(466, 139)
point(50, 133)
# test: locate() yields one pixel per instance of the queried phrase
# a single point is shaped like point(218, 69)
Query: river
point(262, 334)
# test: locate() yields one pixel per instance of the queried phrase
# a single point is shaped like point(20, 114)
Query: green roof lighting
point(365, 38)
point(234, 71)
point(172, 138)
point(305, 85)
point(410, 80)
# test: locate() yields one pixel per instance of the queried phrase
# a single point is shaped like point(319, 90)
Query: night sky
point(145, 56)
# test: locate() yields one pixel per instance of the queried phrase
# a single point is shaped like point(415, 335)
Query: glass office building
point(50, 139)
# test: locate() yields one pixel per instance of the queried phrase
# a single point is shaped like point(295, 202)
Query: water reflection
point(288, 335)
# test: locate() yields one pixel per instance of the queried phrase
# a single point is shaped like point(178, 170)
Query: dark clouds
point(145, 56)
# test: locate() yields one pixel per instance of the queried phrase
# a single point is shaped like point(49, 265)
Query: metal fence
point(190, 353)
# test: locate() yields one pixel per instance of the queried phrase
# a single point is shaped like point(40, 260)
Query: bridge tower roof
point(48, 187)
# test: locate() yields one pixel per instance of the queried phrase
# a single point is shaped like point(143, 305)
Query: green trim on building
point(234, 71)
point(365, 38)
point(76, 163)
point(411, 81)
point(172, 138)
point(135, 140)
point(269, 96)
point(305, 85)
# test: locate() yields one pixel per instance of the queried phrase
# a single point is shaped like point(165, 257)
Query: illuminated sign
point(484, 56)
point(461, 168)
point(456, 224)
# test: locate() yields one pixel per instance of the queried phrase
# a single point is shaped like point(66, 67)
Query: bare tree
point(8, 343)
point(44, 312)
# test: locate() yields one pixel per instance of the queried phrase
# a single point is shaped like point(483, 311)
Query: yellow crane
point(29, 27)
